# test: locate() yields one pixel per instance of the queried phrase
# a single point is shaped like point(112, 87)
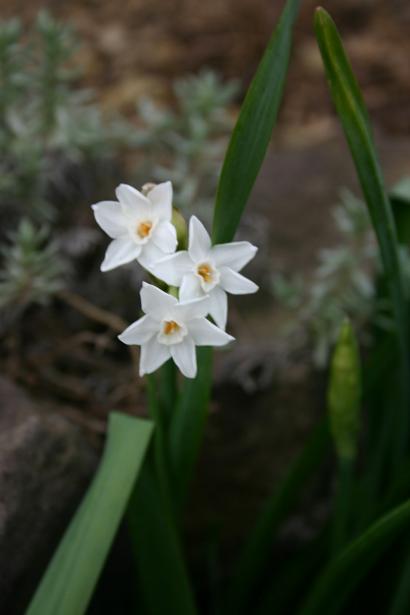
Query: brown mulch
point(138, 48)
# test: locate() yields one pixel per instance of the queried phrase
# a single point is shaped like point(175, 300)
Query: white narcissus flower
point(210, 270)
point(172, 328)
point(140, 226)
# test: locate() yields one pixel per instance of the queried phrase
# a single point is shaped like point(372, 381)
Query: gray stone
point(45, 466)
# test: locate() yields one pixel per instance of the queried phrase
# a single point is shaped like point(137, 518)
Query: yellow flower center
point(144, 228)
point(205, 271)
point(170, 326)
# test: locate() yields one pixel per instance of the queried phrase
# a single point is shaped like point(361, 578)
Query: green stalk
point(164, 582)
point(344, 401)
point(342, 504)
point(187, 427)
point(168, 391)
point(160, 441)
point(163, 578)
point(381, 432)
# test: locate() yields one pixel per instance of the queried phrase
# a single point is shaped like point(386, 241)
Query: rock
point(45, 466)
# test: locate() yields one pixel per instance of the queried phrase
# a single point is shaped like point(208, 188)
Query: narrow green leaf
point(354, 119)
point(243, 159)
point(256, 551)
point(70, 578)
point(252, 133)
point(336, 584)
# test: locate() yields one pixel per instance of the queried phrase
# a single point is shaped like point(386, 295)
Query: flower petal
point(204, 333)
point(171, 269)
point(190, 287)
point(218, 306)
point(139, 332)
point(120, 251)
point(133, 202)
point(184, 356)
point(109, 216)
point(165, 237)
point(150, 255)
point(153, 355)
point(161, 199)
point(235, 283)
point(234, 255)
point(155, 302)
point(199, 240)
point(186, 311)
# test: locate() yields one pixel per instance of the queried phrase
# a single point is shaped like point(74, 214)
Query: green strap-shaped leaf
point(342, 576)
point(253, 129)
point(258, 547)
point(70, 578)
point(354, 119)
point(243, 159)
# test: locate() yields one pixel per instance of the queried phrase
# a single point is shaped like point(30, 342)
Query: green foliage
point(70, 578)
point(186, 145)
point(45, 120)
point(252, 132)
point(332, 589)
point(32, 268)
point(355, 122)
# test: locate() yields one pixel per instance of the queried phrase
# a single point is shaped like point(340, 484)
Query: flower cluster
point(141, 229)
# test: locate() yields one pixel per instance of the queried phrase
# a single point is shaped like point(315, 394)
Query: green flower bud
point(146, 188)
point(178, 221)
point(344, 393)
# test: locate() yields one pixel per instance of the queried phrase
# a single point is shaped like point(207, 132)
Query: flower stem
point(160, 449)
point(168, 392)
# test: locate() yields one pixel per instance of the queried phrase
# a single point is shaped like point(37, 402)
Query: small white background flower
point(208, 270)
point(140, 226)
point(172, 329)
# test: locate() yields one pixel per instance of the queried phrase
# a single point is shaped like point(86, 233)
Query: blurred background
point(97, 93)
